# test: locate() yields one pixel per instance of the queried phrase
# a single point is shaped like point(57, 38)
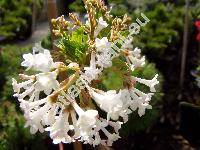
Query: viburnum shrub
point(66, 95)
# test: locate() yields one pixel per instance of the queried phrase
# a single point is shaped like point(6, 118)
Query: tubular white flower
point(111, 137)
point(27, 92)
point(17, 86)
point(91, 72)
point(136, 52)
point(34, 116)
point(39, 62)
point(101, 124)
point(97, 139)
point(75, 126)
point(104, 60)
point(29, 61)
point(146, 97)
point(59, 130)
point(29, 105)
point(103, 44)
point(134, 58)
point(149, 83)
point(86, 121)
point(49, 118)
point(73, 65)
point(43, 82)
point(135, 62)
point(128, 43)
point(86, 118)
point(46, 82)
point(100, 26)
point(116, 125)
point(104, 54)
point(110, 102)
point(126, 99)
point(140, 100)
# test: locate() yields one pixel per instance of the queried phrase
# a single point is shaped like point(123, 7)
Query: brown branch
point(52, 13)
point(77, 145)
point(185, 45)
point(61, 147)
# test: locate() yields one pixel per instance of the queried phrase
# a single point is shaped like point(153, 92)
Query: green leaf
point(113, 77)
point(74, 45)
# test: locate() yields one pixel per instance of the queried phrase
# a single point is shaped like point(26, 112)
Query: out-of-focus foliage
point(131, 5)
point(77, 6)
point(46, 42)
point(10, 59)
point(195, 9)
point(16, 17)
point(13, 135)
point(164, 28)
point(161, 38)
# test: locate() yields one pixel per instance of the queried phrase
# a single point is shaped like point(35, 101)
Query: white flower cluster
point(49, 108)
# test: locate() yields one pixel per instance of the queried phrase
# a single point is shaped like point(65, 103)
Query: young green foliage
point(74, 45)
